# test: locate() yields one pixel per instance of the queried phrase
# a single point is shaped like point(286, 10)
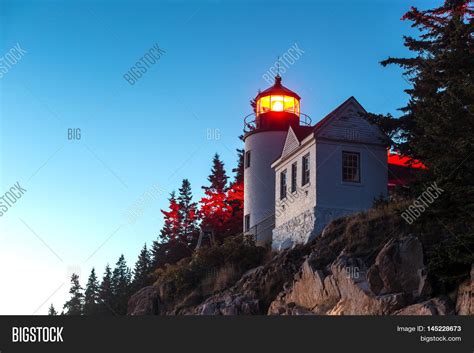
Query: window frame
point(283, 186)
point(247, 222)
point(247, 159)
point(358, 167)
point(305, 178)
point(294, 176)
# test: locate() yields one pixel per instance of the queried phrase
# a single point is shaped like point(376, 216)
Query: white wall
point(332, 192)
point(259, 179)
point(305, 196)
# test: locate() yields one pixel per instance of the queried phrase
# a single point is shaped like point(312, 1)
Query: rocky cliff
point(366, 264)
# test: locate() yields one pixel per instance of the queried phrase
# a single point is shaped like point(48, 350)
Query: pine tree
point(74, 306)
point(121, 280)
point(218, 177)
point(437, 127)
point(215, 210)
point(142, 269)
point(91, 295)
point(52, 311)
point(188, 214)
point(106, 294)
point(172, 221)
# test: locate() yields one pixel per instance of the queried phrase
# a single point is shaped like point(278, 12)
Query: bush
point(209, 269)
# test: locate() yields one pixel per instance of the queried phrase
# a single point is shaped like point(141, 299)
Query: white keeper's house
point(298, 176)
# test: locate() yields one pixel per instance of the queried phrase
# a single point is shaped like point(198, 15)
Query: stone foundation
point(305, 226)
point(295, 231)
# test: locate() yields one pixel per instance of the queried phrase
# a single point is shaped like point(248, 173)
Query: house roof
point(302, 132)
point(278, 89)
point(342, 106)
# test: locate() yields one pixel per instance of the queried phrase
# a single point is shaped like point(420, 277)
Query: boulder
point(399, 268)
point(144, 302)
point(434, 306)
point(346, 287)
point(342, 291)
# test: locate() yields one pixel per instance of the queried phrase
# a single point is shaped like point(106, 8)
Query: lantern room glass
point(278, 103)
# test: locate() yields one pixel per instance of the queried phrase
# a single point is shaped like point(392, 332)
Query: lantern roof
point(277, 90)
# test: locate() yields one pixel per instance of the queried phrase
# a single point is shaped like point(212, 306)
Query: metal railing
point(250, 121)
point(261, 228)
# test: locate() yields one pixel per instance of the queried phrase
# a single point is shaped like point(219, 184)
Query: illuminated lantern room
point(277, 107)
point(278, 98)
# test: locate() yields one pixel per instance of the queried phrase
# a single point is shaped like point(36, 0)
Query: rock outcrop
point(347, 287)
point(144, 302)
point(350, 269)
point(250, 295)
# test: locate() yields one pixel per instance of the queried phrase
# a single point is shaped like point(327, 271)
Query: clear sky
point(150, 135)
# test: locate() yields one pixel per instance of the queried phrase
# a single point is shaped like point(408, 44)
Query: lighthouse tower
point(277, 108)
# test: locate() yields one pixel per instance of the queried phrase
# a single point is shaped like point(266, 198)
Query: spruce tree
point(74, 306)
point(121, 280)
point(218, 177)
point(91, 295)
point(215, 209)
point(437, 124)
point(437, 128)
point(52, 311)
point(188, 214)
point(172, 220)
point(142, 269)
point(106, 294)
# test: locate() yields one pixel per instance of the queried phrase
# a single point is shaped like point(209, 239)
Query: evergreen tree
point(142, 269)
point(74, 306)
point(106, 294)
point(437, 127)
point(218, 177)
point(172, 221)
point(170, 246)
point(188, 214)
point(216, 209)
point(52, 311)
point(91, 295)
point(121, 280)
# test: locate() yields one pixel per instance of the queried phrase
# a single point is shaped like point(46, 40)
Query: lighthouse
point(276, 110)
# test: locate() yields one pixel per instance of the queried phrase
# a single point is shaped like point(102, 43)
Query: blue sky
point(151, 135)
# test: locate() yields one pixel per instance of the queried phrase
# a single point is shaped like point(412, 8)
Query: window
point(305, 171)
point(247, 222)
point(294, 169)
point(282, 185)
point(247, 159)
point(351, 167)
